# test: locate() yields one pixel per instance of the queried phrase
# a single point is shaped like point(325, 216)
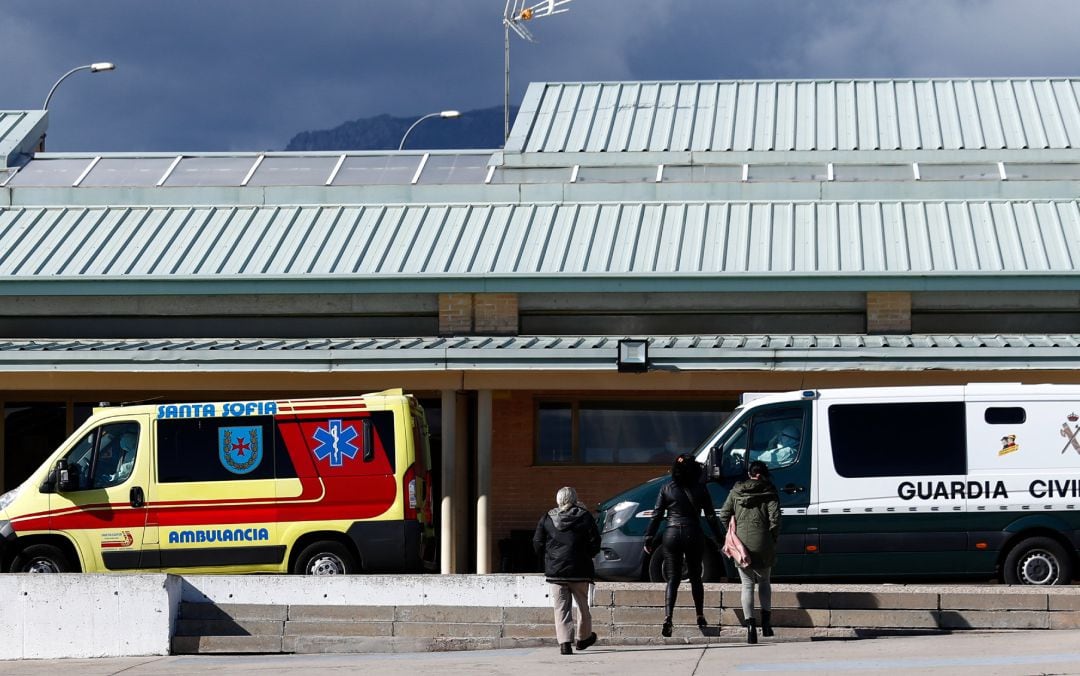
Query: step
point(623, 614)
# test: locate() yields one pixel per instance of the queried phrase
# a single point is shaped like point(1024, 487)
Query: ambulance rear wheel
point(325, 558)
point(41, 559)
point(1039, 561)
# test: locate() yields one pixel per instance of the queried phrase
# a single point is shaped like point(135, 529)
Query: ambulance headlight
point(616, 516)
point(9, 497)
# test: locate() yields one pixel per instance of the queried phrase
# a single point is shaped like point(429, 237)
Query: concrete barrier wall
point(57, 616)
point(66, 616)
point(505, 591)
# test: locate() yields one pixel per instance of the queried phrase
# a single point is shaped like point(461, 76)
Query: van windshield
point(701, 453)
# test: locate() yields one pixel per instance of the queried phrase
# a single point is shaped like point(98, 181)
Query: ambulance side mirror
point(66, 480)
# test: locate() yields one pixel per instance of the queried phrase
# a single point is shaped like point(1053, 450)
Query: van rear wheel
point(41, 559)
point(1038, 561)
point(325, 558)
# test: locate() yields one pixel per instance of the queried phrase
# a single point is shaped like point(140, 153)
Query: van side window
point(775, 438)
point(221, 449)
point(105, 456)
point(1005, 415)
point(902, 439)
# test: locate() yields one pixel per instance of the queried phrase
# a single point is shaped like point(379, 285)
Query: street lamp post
point(99, 67)
point(446, 114)
point(92, 67)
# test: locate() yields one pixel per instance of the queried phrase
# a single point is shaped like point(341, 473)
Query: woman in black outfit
point(682, 500)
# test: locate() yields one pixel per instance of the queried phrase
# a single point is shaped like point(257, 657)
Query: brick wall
point(496, 313)
point(522, 491)
point(481, 313)
point(888, 312)
point(455, 314)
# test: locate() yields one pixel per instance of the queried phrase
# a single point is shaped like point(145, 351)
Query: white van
point(974, 481)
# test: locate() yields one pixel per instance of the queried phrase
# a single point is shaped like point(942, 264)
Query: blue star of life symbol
point(335, 443)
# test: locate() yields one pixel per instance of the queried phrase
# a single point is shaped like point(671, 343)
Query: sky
point(246, 75)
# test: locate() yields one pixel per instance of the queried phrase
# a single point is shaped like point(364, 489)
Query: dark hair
point(759, 468)
point(685, 470)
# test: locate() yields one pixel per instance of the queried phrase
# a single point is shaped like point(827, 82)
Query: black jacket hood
point(570, 518)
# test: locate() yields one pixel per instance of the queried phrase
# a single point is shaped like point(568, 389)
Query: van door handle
point(138, 499)
point(792, 489)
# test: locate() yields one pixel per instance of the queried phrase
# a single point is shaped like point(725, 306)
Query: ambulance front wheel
point(325, 558)
point(1038, 560)
point(41, 559)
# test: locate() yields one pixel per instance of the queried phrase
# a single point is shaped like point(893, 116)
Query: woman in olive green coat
point(755, 504)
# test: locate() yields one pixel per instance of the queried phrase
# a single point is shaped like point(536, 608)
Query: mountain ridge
point(480, 128)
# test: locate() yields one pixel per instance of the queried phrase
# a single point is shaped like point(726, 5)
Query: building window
point(887, 440)
point(623, 432)
point(32, 431)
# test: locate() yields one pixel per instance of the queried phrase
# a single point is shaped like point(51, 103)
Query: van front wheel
point(325, 558)
point(1039, 561)
point(41, 559)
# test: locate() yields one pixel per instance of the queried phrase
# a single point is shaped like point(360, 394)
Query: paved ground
point(983, 653)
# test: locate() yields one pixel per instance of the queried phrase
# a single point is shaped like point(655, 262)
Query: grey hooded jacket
point(568, 540)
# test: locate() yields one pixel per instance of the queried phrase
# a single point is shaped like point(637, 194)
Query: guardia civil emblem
point(240, 448)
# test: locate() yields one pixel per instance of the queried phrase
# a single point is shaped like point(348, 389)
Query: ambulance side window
point(221, 449)
point(105, 456)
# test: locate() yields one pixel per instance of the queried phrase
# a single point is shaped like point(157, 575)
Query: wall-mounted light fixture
point(633, 355)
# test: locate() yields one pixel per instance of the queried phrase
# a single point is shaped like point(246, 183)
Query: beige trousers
point(561, 595)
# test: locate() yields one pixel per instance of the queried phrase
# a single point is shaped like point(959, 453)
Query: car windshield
point(701, 453)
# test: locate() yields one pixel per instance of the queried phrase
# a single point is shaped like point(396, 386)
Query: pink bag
point(733, 547)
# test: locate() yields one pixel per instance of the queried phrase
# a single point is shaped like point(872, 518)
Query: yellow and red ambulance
point(308, 486)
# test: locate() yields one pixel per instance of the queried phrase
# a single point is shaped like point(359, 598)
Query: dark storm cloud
point(248, 74)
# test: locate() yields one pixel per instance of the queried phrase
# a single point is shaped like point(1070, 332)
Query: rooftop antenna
point(515, 14)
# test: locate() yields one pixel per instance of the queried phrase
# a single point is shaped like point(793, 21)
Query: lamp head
point(450, 113)
point(103, 65)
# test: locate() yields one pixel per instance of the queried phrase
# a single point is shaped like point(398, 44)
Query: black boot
point(584, 643)
point(665, 630)
point(751, 631)
point(766, 623)
point(565, 649)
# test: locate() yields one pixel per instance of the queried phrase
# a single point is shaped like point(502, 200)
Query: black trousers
point(684, 543)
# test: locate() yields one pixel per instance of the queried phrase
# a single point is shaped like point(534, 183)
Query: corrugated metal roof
point(708, 352)
point(20, 131)
point(539, 245)
point(772, 115)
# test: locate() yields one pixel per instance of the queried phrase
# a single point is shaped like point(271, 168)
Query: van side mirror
point(713, 471)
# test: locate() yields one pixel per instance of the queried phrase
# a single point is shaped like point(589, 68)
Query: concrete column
point(462, 556)
point(483, 482)
point(3, 449)
point(447, 521)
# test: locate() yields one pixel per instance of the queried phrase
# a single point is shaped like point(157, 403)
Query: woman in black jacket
point(682, 500)
point(568, 538)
